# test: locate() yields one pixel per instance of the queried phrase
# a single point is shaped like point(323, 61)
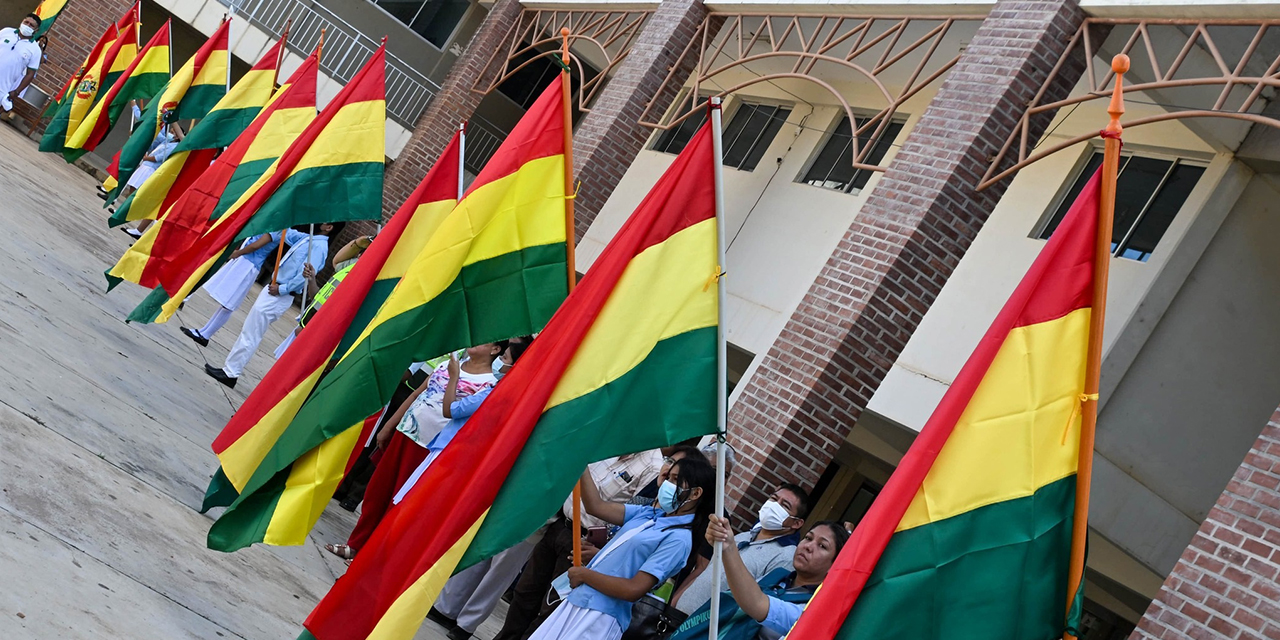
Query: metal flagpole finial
point(1120, 65)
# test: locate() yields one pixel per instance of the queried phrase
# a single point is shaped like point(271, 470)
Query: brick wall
point(1225, 584)
point(854, 321)
point(610, 136)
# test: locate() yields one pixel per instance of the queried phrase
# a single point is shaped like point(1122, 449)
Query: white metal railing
point(346, 50)
point(483, 139)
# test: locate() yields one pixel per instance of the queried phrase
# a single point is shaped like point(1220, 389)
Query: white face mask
point(498, 364)
point(773, 516)
point(26, 30)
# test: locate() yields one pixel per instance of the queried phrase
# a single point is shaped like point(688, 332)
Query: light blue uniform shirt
point(658, 550)
point(290, 278)
point(460, 410)
point(259, 256)
point(782, 616)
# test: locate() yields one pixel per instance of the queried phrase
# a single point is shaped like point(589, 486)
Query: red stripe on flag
point(315, 346)
point(102, 124)
point(189, 217)
point(367, 85)
point(1058, 282)
point(467, 476)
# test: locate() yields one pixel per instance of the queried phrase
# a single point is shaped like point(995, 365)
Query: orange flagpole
point(570, 240)
point(1097, 316)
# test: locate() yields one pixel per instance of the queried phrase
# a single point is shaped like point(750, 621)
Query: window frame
point(471, 6)
point(671, 114)
point(1175, 156)
point(731, 110)
point(898, 118)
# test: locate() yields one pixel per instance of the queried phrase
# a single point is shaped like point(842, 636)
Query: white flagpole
point(722, 380)
point(462, 154)
point(311, 234)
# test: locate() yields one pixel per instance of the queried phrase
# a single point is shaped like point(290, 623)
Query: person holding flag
point(229, 286)
point(19, 59)
point(767, 608)
point(653, 544)
point(296, 275)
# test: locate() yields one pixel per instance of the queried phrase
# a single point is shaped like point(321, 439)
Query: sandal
point(341, 550)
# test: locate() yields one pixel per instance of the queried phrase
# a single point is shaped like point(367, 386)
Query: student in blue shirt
point(306, 256)
point(768, 608)
point(653, 544)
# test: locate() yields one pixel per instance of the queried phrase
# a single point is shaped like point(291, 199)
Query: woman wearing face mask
point(768, 608)
point(653, 544)
point(401, 449)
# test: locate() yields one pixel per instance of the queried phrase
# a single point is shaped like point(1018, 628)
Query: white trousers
point(471, 596)
point(571, 622)
point(266, 309)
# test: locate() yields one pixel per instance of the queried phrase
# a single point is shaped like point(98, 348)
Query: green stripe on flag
point(935, 580)
point(242, 178)
point(199, 100)
point(476, 308)
point(218, 129)
point(615, 419)
point(351, 192)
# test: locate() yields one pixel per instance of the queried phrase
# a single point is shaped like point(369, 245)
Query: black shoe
point(458, 633)
point(220, 375)
point(195, 337)
point(133, 233)
point(441, 619)
point(102, 195)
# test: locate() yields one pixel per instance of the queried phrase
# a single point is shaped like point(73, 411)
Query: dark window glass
point(1149, 193)
point(1160, 214)
point(524, 86)
point(438, 19)
point(749, 133)
point(1090, 168)
point(833, 168)
point(403, 10)
point(674, 139)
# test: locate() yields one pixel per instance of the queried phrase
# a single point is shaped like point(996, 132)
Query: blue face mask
point(498, 365)
point(667, 498)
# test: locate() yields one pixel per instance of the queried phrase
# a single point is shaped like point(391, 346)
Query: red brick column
point(455, 102)
point(72, 36)
point(610, 136)
point(1224, 585)
point(854, 321)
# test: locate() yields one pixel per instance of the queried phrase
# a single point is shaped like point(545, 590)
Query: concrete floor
point(104, 443)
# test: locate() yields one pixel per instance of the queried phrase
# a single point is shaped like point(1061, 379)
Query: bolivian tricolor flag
point(48, 10)
point(196, 87)
point(295, 506)
point(290, 112)
point(495, 268)
point(219, 128)
point(104, 42)
point(332, 172)
point(971, 536)
point(145, 76)
point(627, 364)
point(100, 75)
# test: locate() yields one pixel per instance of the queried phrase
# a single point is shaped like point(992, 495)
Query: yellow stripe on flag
point(1010, 441)
point(242, 458)
point(426, 219)
point(345, 140)
point(312, 480)
point(634, 318)
point(156, 60)
point(281, 129)
point(251, 92)
point(214, 70)
point(403, 618)
point(535, 192)
point(135, 258)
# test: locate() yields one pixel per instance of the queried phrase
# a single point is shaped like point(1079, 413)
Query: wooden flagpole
point(569, 241)
point(1097, 315)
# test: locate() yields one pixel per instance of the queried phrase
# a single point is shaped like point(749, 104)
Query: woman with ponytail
point(653, 544)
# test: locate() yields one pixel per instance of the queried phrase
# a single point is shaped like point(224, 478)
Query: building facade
point(892, 170)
